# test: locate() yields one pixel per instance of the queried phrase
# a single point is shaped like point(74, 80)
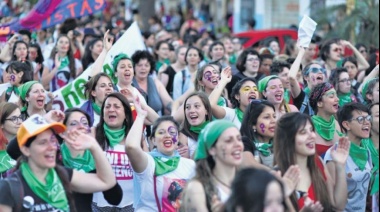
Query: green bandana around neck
point(52, 192)
point(307, 91)
point(198, 129)
point(114, 136)
point(233, 59)
point(368, 143)
point(96, 108)
point(160, 63)
point(239, 114)
point(6, 162)
point(165, 165)
point(12, 89)
point(264, 148)
point(287, 96)
point(359, 155)
point(84, 163)
point(344, 99)
point(64, 62)
point(325, 129)
point(222, 102)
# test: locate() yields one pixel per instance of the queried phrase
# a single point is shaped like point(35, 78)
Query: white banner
point(72, 95)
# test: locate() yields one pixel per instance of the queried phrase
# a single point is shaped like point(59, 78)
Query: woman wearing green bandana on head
point(44, 185)
point(355, 120)
point(114, 126)
point(272, 89)
point(32, 97)
point(242, 94)
point(342, 83)
point(325, 103)
point(18, 74)
point(10, 122)
point(259, 125)
point(198, 114)
point(218, 156)
point(159, 176)
point(61, 68)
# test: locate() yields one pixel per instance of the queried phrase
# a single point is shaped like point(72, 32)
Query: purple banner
point(47, 13)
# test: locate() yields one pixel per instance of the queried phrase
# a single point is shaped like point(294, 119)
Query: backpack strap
point(183, 79)
point(305, 104)
point(155, 193)
point(17, 190)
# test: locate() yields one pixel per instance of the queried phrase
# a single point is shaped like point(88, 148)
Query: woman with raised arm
point(242, 94)
point(160, 175)
point(45, 184)
point(294, 144)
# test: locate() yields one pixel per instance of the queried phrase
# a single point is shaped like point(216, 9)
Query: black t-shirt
point(171, 73)
point(249, 146)
point(28, 198)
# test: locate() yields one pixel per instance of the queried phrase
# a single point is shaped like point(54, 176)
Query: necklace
point(221, 182)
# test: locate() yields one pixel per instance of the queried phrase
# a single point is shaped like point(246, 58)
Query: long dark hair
point(285, 155)
point(99, 132)
point(6, 109)
point(14, 58)
point(249, 189)
point(40, 57)
point(236, 90)
point(24, 67)
point(70, 55)
point(186, 125)
point(251, 115)
point(91, 84)
point(87, 57)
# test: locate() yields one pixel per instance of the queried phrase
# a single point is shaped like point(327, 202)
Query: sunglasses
point(361, 119)
point(316, 71)
point(337, 50)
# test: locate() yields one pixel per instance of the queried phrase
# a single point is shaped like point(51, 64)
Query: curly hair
point(143, 55)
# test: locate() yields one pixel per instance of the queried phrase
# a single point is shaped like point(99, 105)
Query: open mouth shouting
point(237, 154)
point(168, 143)
point(40, 102)
point(279, 96)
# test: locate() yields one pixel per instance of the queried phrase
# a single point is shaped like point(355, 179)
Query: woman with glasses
point(10, 122)
point(313, 74)
point(248, 65)
point(325, 103)
point(355, 120)
point(342, 83)
point(42, 183)
point(242, 94)
point(294, 144)
point(83, 160)
point(259, 125)
point(351, 64)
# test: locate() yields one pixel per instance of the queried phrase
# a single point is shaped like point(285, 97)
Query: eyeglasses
point(337, 50)
point(316, 70)
point(15, 119)
point(345, 81)
point(361, 119)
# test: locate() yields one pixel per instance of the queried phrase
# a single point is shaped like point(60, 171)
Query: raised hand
point(107, 41)
point(128, 94)
point(139, 109)
point(310, 206)
point(226, 75)
point(290, 179)
point(340, 151)
point(57, 61)
point(54, 116)
point(79, 141)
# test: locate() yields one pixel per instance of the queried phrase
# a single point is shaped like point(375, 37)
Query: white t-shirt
point(135, 92)
point(169, 186)
point(62, 77)
point(124, 175)
point(231, 116)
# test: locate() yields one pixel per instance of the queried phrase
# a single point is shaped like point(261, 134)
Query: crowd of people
point(191, 123)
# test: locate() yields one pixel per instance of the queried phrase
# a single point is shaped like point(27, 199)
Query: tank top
point(154, 100)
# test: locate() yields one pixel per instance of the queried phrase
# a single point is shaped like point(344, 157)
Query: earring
point(254, 130)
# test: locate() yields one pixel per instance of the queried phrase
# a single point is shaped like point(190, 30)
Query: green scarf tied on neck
point(96, 108)
point(12, 89)
point(359, 155)
point(114, 136)
point(52, 192)
point(198, 129)
point(85, 162)
point(344, 99)
point(368, 143)
point(264, 148)
point(239, 114)
point(287, 96)
point(307, 91)
point(325, 129)
point(64, 62)
point(6, 162)
point(164, 165)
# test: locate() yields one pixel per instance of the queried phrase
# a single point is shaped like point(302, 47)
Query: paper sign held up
point(306, 30)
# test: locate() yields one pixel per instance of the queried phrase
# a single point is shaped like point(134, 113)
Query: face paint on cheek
point(207, 76)
point(313, 79)
point(262, 127)
point(13, 78)
point(173, 133)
